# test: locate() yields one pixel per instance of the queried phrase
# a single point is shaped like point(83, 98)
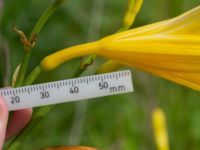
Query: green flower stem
point(33, 75)
point(37, 28)
point(15, 143)
point(45, 16)
point(79, 71)
point(37, 117)
point(85, 64)
point(23, 68)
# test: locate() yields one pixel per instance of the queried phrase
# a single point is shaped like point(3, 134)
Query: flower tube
point(169, 49)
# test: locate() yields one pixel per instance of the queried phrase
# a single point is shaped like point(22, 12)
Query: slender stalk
point(15, 143)
point(33, 75)
point(37, 116)
point(45, 16)
point(85, 64)
point(23, 68)
point(37, 28)
point(78, 72)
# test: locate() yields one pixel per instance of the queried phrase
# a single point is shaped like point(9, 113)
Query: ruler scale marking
point(68, 90)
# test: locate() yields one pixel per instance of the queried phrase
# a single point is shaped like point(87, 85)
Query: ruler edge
point(6, 89)
point(52, 82)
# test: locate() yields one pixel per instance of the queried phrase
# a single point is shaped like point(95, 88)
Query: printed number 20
point(15, 99)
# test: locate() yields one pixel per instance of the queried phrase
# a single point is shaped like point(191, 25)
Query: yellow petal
point(187, 79)
point(170, 53)
point(186, 23)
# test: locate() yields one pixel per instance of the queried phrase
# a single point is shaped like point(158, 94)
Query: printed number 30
point(44, 94)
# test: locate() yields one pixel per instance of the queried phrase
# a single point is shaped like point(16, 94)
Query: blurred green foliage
point(110, 123)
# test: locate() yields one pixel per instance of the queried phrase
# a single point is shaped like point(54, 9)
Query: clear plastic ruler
point(68, 90)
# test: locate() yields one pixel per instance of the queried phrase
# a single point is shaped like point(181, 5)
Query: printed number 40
point(74, 90)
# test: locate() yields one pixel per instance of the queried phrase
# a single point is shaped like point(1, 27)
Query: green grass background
point(119, 122)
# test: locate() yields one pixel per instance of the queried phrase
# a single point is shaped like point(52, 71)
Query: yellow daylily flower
point(160, 129)
point(169, 49)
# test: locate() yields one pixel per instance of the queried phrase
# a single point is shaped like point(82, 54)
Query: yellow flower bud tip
point(54, 60)
point(160, 129)
point(158, 119)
